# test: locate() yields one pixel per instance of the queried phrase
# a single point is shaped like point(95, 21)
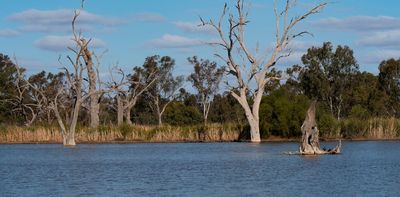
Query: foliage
point(205, 80)
point(389, 83)
point(179, 114)
point(327, 75)
point(283, 112)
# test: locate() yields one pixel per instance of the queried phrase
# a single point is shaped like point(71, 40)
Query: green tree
point(389, 83)
point(205, 80)
point(165, 88)
point(226, 110)
point(8, 78)
point(285, 110)
point(327, 75)
point(177, 113)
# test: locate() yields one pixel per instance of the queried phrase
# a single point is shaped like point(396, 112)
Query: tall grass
point(351, 128)
point(112, 133)
point(373, 128)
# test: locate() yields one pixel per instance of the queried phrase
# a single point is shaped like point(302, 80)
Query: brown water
point(199, 169)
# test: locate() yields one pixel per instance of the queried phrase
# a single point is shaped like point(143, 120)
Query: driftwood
point(310, 136)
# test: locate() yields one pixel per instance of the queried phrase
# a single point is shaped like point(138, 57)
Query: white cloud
point(360, 23)
point(60, 20)
point(194, 27)
point(174, 41)
point(149, 17)
point(8, 33)
point(60, 43)
point(386, 39)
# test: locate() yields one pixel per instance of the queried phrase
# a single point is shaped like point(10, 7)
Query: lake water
point(199, 169)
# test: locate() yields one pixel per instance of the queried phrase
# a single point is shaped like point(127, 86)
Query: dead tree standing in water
point(310, 135)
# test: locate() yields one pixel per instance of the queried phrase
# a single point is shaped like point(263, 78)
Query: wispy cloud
point(194, 27)
point(359, 23)
point(385, 39)
point(60, 20)
point(9, 33)
point(149, 17)
point(60, 43)
point(376, 56)
point(174, 41)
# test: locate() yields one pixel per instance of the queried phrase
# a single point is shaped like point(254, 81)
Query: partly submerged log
point(310, 136)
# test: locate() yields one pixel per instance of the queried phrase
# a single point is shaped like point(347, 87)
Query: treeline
point(352, 103)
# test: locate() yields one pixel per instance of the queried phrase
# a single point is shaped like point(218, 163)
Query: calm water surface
point(202, 169)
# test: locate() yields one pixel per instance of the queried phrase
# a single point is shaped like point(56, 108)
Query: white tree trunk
point(69, 139)
point(252, 116)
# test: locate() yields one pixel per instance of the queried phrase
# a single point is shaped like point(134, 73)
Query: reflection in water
point(204, 169)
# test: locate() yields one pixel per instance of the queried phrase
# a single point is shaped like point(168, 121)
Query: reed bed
point(123, 133)
point(373, 129)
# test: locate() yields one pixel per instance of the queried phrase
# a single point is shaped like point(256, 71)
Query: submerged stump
point(310, 136)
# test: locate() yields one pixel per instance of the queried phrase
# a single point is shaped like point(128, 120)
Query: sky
point(38, 32)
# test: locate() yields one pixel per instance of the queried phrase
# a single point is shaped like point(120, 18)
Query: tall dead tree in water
point(248, 67)
point(310, 135)
point(81, 61)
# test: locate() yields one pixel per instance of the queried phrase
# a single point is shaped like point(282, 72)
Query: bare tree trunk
point(120, 111)
point(160, 119)
point(158, 110)
point(206, 110)
point(128, 115)
point(69, 139)
point(94, 106)
point(310, 135)
point(94, 111)
point(252, 116)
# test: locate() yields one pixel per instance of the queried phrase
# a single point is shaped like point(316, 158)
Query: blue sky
point(37, 32)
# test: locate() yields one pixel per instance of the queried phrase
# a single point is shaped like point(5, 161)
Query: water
point(202, 169)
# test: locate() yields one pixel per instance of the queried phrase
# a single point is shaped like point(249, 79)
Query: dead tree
point(130, 87)
point(248, 67)
point(27, 100)
point(93, 78)
point(118, 84)
point(310, 135)
point(75, 80)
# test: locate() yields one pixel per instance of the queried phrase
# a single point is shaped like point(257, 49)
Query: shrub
point(328, 125)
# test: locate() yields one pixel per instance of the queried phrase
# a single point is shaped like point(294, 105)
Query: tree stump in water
point(310, 139)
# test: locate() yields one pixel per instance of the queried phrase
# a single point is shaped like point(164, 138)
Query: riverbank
point(125, 134)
